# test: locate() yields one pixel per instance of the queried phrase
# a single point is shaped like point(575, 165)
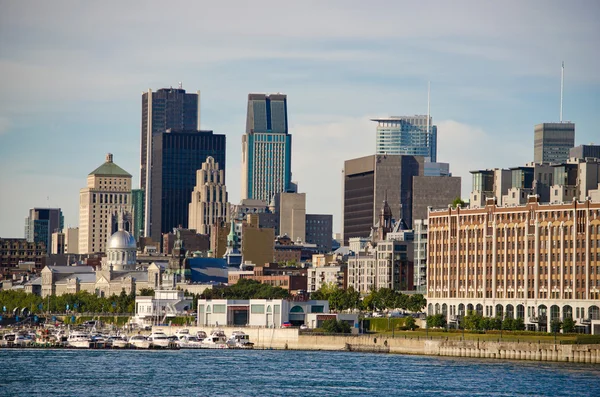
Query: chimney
point(109, 158)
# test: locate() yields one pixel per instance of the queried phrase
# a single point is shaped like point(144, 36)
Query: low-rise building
point(159, 308)
point(336, 275)
point(293, 279)
point(270, 313)
point(16, 250)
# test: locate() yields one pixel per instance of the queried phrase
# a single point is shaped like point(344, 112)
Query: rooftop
point(110, 169)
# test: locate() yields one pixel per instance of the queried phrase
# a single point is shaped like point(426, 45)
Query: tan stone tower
point(209, 198)
point(108, 191)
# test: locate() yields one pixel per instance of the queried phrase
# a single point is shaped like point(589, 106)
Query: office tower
point(137, 209)
point(41, 223)
point(65, 241)
point(266, 148)
point(585, 151)
point(532, 261)
point(176, 156)
point(168, 108)
point(370, 180)
point(209, 198)
point(552, 142)
point(433, 191)
point(292, 215)
point(407, 135)
point(108, 193)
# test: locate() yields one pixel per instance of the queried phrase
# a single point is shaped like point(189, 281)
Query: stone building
point(209, 198)
point(107, 194)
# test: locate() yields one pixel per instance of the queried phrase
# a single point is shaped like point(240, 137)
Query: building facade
point(66, 241)
point(433, 191)
point(336, 275)
point(41, 223)
point(107, 194)
point(552, 142)
point(137, 209)
point(266, 148)
point(533, 261)
point(370, 180)
point(168, 108)
point(15, 251)
point(585, 151)
point(209, 198)
point(176, 156)
point(407, 135)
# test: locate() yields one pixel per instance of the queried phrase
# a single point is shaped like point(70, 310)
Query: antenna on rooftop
point(180, 85)
point(562, 84)
point(428, 103)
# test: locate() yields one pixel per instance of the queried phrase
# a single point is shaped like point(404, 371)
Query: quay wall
point(290, 338)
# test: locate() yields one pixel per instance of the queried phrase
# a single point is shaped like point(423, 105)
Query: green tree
point(556, 325)
point(519, 324)
point(336, 327)
point(146, 292)
point(416, 303)
point(458, 202)
point(410, 323)
point(568, 325)
point(472, 321)
point(436, 321)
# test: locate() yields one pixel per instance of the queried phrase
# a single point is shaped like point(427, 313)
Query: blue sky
point(72, 74)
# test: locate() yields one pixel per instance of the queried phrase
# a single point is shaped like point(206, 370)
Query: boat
point(239, 340)
point(183, 331)
point(139, 342)
point(159, 339)
point(189, 342)
point(98, 341)
point(79, 339)
point(216, 340)
point(201, 335)
point(119, 342)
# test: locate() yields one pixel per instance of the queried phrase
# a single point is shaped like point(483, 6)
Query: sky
point(72, 74)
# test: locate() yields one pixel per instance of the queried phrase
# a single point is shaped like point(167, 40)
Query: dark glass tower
point(168, 108)
point(176, 157)
point(41, 223)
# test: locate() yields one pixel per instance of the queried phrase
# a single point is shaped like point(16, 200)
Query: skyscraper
point(177, 155)
point(407, 135)
point(552, 142)
point(137, 209)
point(41, 223)
point(108, 194)
point(168, 108)
point(209, 198)
point(266, 148)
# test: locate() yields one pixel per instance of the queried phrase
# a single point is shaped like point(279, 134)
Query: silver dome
point(122, 240)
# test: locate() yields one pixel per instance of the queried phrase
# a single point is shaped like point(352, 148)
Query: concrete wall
point(289, 338)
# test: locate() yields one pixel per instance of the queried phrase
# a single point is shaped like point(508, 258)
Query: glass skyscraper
point(266, 148)
point(165, 109)
point(407, 135)
point(41, 223)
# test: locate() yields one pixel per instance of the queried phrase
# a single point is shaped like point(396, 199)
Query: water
point(281, 373)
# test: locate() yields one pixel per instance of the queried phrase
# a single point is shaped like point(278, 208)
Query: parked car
point(304, 326)
point(287, 324)
point(377, 314)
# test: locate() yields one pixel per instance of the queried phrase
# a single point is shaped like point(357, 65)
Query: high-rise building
point(370, 180)
point(168, 108)
point(176, 156)
point(65, 241)
point(209, 198)
point(552, 142)
point(407, 135)
point(535, 262)
point(585, 151)
point(107, 194)
point(41, 223)
point(266, 148)
point(137, 209)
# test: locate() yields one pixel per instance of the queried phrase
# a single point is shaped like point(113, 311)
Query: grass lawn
point(506, 336)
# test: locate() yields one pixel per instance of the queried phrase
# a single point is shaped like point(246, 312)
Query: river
point(103, 373)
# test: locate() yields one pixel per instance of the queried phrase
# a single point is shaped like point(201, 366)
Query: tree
point(436, 321)
point(568, 325)
point(519, 324)
point(146, 292)
point(336, 327)
point(472, 321)
point(458, 202)
point(410, 323)
point(555, 325)
point(416, 303)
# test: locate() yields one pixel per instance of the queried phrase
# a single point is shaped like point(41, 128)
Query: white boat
point(119, 342)
point(79, 339)
point(201, 335)
point(139, 342)
point(159, 339)
point(14, 339)
point(183, 331)
point(240, 340)
point(189, 342)
point(98, 341)
point(216, 340)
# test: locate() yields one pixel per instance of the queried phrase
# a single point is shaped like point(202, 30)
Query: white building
point(257, 312)
point(159, 308)
point(108, 192)
point(209, 198)
point(329, 274)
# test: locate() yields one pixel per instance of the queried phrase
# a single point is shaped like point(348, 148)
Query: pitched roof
point(110, 168)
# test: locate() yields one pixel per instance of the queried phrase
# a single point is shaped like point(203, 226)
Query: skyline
point(72, 79)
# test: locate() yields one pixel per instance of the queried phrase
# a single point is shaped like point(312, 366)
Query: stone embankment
point(292, 339)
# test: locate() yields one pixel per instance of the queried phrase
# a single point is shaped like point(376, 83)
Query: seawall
point(286, 338)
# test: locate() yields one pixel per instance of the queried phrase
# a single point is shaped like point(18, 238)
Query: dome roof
point(122, 240)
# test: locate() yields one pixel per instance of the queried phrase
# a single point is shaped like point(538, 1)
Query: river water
point(105, 373)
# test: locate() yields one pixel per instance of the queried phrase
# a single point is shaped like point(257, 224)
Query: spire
point(232, 237)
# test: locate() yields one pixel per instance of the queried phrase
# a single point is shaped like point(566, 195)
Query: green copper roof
point(110, 168)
